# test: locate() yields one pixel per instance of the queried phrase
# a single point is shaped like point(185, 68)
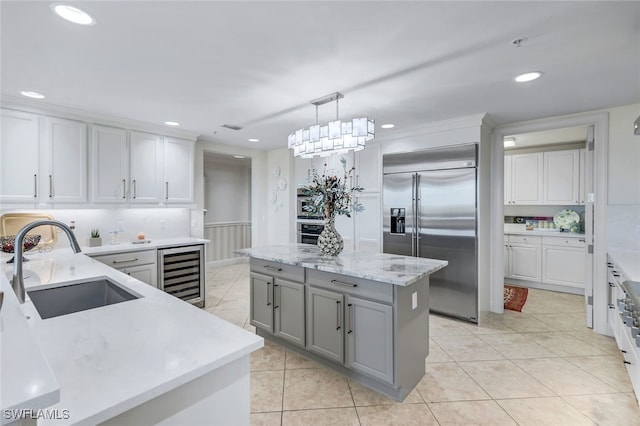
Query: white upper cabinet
point(526, 179)
point(20, 156)
point(65, 158)
point(369, 168)
point(562, 177)
point(178, 170)
point(146, 168)
point(367, 223)
point(109, 165)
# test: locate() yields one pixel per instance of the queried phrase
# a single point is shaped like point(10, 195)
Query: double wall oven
point(309, 226)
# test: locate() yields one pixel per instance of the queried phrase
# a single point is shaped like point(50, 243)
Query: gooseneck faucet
point(18, 281)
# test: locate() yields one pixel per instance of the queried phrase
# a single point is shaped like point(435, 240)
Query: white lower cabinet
point(141, 264)
point(524, 257)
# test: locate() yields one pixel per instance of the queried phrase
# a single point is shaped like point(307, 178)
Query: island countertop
point(386, 268)
point(111, 359)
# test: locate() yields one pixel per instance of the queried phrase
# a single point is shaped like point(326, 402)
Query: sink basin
point(76, 297)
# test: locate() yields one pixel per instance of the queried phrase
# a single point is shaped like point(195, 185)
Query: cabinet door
point(369, 331)
point(505, 260)
point(261, 287)
point(527, 178)
point(562, 177)
point(507, 180)
point(145, 152)
point(178, 170)
point(367, 223)
point(582, 190)
point(325, 315)
point(66, 154)
point(524, 261)
point(19, 156)
point(564, 265)
point(146, 273)
point(109, 165)
point(369, 168)
point(288, 311)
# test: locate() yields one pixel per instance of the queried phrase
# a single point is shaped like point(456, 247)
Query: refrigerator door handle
point(417, 215)
point(414, 191)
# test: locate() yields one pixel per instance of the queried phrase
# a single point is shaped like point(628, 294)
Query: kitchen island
point(365, 315)
point(151, 360)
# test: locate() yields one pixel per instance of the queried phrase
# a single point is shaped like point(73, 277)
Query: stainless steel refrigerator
point(430, 201)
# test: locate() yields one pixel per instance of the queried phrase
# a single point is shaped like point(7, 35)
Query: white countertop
point(147, 245)
point(629, 261)
point(520, 229)
point(387, 268)
point(113, 358)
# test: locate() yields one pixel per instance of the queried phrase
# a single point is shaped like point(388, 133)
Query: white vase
point(330, 241)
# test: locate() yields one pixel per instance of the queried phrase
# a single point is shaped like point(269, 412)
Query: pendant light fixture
point(335, 137)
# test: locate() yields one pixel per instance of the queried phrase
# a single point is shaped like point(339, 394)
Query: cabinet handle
point(623, 351)
point(343, 283)
point(337, 315)
point(626, 362)
point(126, 260)
point(166, 190)
point(275, 296)
point(271, 268)
point(133, 185)
point(350, 306)
point(268, 293)
point(50, 186)
point(612, 306)
point(124, 189)
point(35, 186)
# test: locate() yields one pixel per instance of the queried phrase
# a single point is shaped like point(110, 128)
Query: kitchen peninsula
point(154, 359)
point(365, 315)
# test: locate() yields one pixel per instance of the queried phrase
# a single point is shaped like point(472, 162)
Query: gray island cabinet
point(365, 315)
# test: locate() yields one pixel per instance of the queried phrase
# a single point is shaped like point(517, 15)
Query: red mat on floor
point(515, 297)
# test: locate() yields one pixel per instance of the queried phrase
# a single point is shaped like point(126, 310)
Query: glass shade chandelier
point(335, 137)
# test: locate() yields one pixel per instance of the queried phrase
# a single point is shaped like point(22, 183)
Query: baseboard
point(226, 262)
point(543, 286)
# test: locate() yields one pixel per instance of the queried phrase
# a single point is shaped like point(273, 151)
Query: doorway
point(595, 208)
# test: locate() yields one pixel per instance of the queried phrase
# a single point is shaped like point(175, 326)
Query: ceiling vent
point(232, 126)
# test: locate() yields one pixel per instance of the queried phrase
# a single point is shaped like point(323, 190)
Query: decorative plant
point(331, 195)
point(95, 233)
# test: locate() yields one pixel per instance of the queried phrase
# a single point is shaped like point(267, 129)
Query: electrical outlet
point(414, 300)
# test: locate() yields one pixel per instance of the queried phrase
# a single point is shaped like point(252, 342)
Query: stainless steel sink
point(76, 297)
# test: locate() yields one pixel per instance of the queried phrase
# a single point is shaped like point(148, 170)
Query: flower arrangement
point(331, 195)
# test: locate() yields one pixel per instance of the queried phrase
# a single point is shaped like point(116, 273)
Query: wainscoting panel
point(226, 237)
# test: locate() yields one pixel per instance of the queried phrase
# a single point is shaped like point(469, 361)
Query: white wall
point(280, 188)
point(227, 189)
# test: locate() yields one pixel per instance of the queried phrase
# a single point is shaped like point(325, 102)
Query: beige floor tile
point(551, 411)
point(321, 417)
point(239, 317)
point(563, 321)
point(436, 354)
point(270, 357)
point(443, 326)
point(315, 388)
point(608, 368)
point(396, 415)
point(562, 377)
point(564, 344)
point(465, 413)
point(606, 344)
point(504, 379)
point(608, 410)
point(363, 396)
point(266, 391)
point(266, 419)
point(469, 348)
point(516, 346)
point(448, 382)
point(524, 323)
point(490, 324)
point(295, 361)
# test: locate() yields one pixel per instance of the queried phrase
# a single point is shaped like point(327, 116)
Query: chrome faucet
point(18, 281)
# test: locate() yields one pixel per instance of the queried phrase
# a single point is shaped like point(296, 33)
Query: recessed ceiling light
point(73, 14)
point(254, 140)
point(171, 123)
point(388, 126)
point(34, 95)
point(238, 156)
point(509, 142)
point(530, 76)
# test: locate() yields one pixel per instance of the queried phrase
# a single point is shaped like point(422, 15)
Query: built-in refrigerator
point(430, 205)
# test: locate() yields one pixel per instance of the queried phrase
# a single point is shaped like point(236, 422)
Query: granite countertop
point(386, 268)
point(110, 359)
point(520, 229)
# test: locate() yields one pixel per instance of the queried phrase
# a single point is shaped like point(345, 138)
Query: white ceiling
point(258, 64)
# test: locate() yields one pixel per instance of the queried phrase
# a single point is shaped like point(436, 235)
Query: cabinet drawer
point(563, 241)
point(122, 260)
point(351, 285)
point(278, 270)
point(525, 239)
